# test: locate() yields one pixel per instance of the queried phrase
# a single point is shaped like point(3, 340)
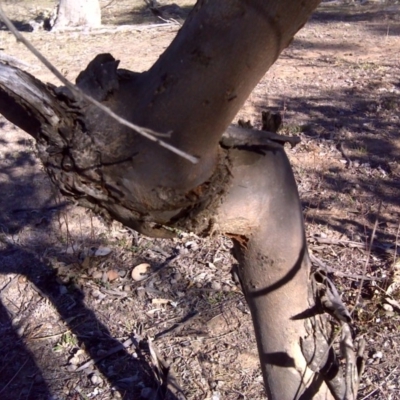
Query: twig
point(380, 386)
point(395, 251)
point(50, 336)
point(358, 245)
point(315, 260)
point(108, 4)
point(236, 136)
point(113, 29)
point(165, 264)
point(2, 290)
point(165, 372)
point(340, 147)
point(178, 326)
point(367, 260)
point(147, 133)
point(112, 351)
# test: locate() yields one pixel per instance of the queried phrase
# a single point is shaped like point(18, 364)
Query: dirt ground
point(72, 318)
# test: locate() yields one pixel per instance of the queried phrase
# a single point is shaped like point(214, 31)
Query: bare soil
point(73, 322)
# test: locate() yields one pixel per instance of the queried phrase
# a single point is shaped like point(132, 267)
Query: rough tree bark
point(72, 13)
point(243, 185)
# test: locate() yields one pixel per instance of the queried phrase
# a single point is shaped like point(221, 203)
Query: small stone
point(378, 354)
point(216, 396)
point(74, 360)
point(127, 288)
point(140, 272)
point(122, 273)
point(177, 276)
point(102, 251)
point(216, 286)
point(147, 393)
point(72, 368)
point(89, 370)
point(72, 249)
point(63, 290)
point(387, 307)
point(98, 295)
point(96, 380)
point(97, 275)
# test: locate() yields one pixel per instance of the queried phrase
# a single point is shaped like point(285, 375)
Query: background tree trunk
point(72, 13)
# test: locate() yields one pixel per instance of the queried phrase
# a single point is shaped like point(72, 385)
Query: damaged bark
point(242, 186)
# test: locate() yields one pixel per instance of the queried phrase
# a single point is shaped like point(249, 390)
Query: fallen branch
point(109, 353)
point(114, 29)
point(236, 136)
point(316, 261)
point(359, 245)
point(10, 60)
point(165, 373)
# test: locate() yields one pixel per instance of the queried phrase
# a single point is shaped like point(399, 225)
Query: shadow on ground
point(360, 126)
point(25, 208)
point(385, 16)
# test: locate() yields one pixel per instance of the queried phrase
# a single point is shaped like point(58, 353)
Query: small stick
point(112, 351)
point(367, 260)
point(321, 264)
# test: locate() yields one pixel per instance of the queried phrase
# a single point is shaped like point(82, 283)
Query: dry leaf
point(112, 275)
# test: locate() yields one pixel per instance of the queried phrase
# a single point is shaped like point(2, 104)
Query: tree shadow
point(18, 369)
point(80, 320)
point(354, 12)
point(21, 25)
point(359, 129)
point(381, 18)
point(29, 205)
point(30, 256)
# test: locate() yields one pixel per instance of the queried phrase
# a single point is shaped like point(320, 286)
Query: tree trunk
point(73, 13)
point(243, 189)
